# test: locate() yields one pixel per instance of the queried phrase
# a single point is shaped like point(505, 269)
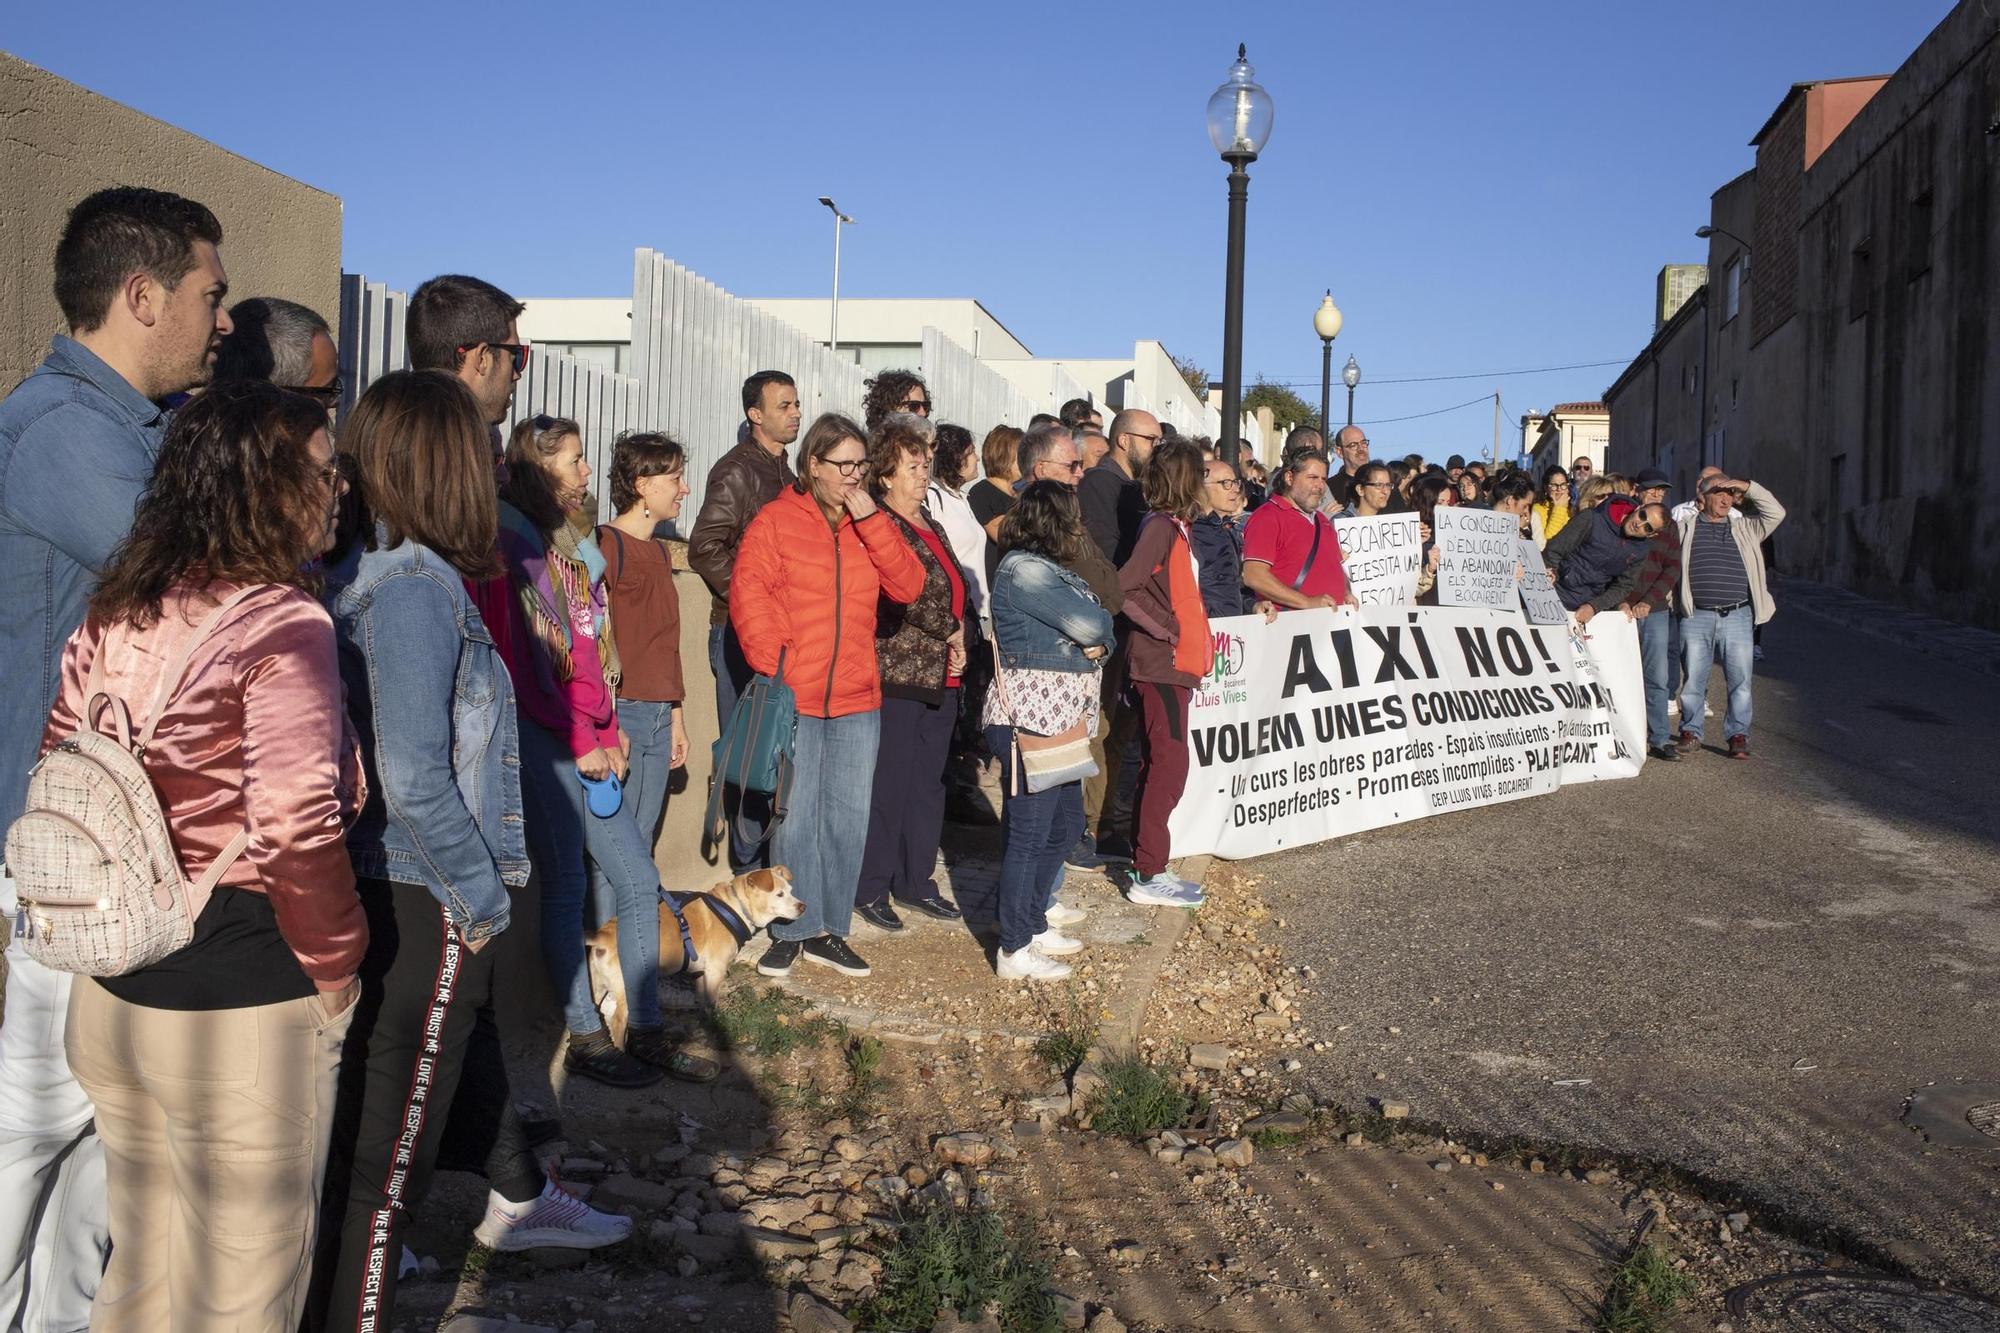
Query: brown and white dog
point(757, 898)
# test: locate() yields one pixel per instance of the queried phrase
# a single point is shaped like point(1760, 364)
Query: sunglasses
point(922, 405)
point(326, 395)
point(519, 351)
point(1725, 490)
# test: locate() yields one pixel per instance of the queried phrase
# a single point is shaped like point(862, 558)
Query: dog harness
point(734, 923)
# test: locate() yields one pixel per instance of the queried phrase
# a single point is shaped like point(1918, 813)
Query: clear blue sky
point(1484, 187)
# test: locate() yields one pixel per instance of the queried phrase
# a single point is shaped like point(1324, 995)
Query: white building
point(879, 334)
point(1568, 431)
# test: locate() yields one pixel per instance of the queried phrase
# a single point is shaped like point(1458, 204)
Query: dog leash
point(731, 921)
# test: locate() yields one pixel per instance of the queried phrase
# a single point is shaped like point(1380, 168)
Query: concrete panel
point(279, 237)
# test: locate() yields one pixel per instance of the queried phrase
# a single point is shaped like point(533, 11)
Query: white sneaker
point(1029, 964)
point(556, 1220)
point(1165, 890)
point(1061, 915)
point(1054, 943)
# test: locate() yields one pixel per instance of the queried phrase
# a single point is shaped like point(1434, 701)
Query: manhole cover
point(1961, 1115)
point(1861, 1303)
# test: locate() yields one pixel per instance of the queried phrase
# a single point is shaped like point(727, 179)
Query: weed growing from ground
point(1645, 1292)
point(1137, 1100)
point(856, 1101)
point(966, 1259)
point(1073, 1032)
point(770, 1022)
point(1270, 1140)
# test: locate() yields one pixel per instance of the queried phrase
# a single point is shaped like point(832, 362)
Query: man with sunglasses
point(1650, 603)
point(1724, 595)
point(1596, 566)
point(472, 329)
point(283, 343)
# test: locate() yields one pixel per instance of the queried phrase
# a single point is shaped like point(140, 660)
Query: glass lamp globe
point(1327, 319)
point(1239, 115)
point(1350, 374)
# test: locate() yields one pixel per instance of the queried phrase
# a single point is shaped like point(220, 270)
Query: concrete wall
point(1656, 405)
point(279, 237)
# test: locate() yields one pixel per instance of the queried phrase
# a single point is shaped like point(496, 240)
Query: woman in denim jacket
point(436, 848)
point(1051, 636)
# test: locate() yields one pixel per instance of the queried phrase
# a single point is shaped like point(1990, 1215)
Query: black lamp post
point(1239, 123)
point(1326, 323)
point(1350, 375)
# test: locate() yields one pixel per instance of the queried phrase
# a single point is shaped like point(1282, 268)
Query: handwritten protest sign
point(1383, 556)
point(1538, 590)
point(1477, 555)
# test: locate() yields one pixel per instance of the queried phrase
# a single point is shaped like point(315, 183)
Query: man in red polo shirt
point(1290, 554)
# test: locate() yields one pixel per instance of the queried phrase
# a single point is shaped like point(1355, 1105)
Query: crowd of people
point(384, 670)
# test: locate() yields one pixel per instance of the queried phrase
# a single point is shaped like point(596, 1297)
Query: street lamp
point(1703, 233)
point(1239, 123)
point(1326, 323)
point(833, 329)
point(1350, 375)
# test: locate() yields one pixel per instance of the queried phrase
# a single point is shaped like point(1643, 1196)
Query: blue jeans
point(826, 823)
point(1037, 829)
point(651, 727)
point(1656, 634)
point(753, 809)
point(565, 838)
point(1705, 636)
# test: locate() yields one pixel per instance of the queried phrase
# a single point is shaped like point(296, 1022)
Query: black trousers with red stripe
point(422, 992)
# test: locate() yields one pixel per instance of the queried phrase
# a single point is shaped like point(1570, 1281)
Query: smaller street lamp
point(1350, 375)
point(833, 329)
point(1326, 323)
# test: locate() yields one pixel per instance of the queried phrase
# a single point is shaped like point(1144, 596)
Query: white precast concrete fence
point(601, 403)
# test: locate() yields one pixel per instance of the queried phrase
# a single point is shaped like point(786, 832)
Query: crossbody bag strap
point(1307, 568)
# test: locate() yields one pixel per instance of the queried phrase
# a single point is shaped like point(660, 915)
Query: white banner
point(1328, 722)
point(1383, 556)
point(1477, 558)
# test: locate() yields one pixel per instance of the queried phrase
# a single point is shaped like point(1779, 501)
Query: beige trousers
point(215, 1126)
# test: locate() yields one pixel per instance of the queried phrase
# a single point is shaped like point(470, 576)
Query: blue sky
point(1484, 187)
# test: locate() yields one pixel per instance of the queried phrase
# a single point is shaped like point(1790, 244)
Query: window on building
point(1923, 216)
point(1732, 289)
point(1860, 279)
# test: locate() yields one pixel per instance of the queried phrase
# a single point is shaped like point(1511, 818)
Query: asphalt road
point(1755, 964)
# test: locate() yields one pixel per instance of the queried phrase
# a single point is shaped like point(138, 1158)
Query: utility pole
point(1496, 430)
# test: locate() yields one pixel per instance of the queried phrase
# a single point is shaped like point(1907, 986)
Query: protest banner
point(1538, 590)
point(1476, 558)
point(1383, 555)
point(1329, 722)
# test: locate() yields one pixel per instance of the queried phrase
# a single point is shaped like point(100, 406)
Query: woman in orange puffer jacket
point(807, 576)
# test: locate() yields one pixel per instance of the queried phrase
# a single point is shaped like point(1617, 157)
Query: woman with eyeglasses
point(810, 574)
point(565, 674)
point(1552, 509)
point(212, 1070)
point(921, 650)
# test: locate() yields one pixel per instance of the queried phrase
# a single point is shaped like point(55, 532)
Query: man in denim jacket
point(141, 286)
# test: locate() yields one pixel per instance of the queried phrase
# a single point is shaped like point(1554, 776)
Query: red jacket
point(809, 589)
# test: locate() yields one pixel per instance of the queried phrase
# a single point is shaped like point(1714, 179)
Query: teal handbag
point(754, 754)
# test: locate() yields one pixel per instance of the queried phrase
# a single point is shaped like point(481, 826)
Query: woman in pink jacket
point(212, 1070)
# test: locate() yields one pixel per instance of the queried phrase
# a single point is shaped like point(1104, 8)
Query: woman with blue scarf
point(565, 674)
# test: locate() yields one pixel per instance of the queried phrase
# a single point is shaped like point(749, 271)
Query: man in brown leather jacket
point(742, 482)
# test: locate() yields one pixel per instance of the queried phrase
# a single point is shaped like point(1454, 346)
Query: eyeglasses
point(849, 467)
point(1227, 483)
point(1374, 485)
point(1135, 435)
point(327, 395)
point(519, 351)
point(1558, 485)
point(922, 405)
point(1725, 490)
point(328, 476)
